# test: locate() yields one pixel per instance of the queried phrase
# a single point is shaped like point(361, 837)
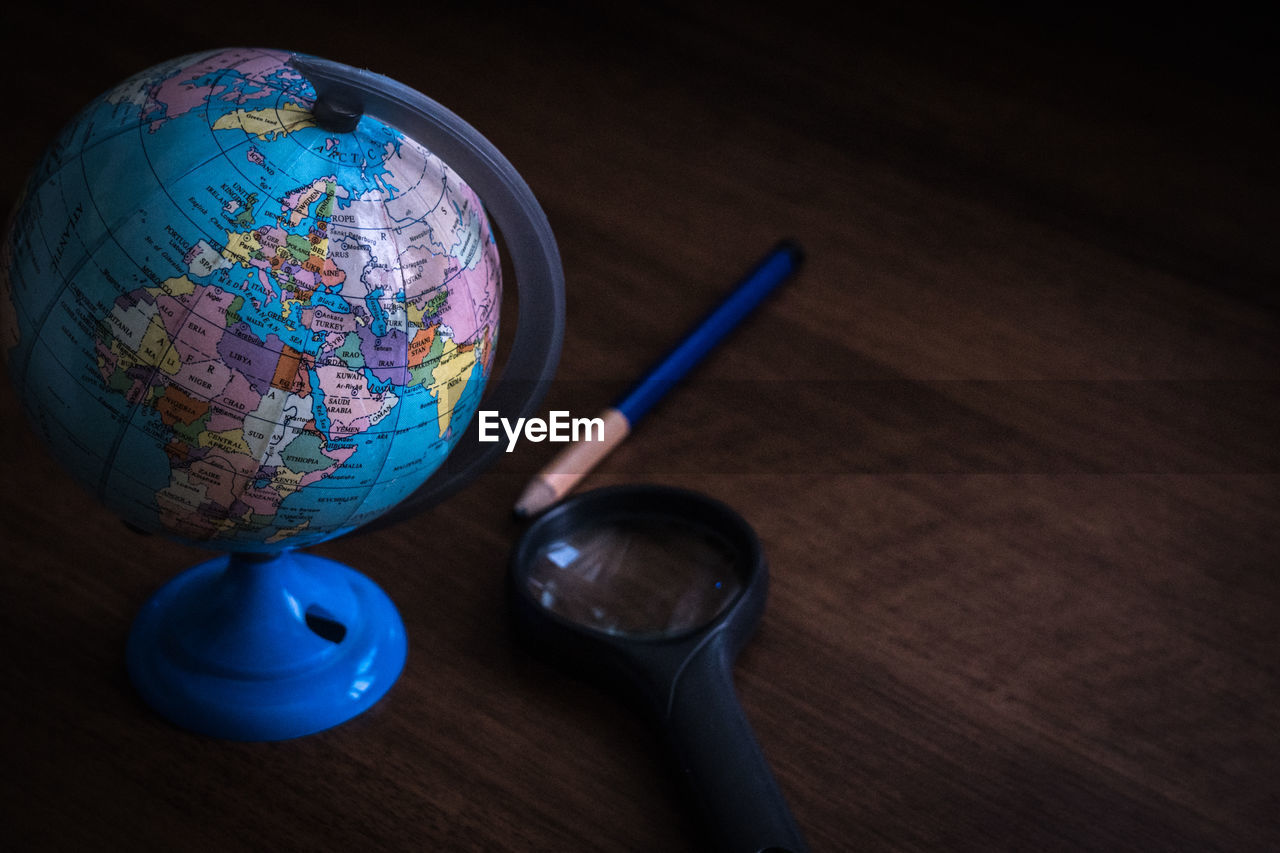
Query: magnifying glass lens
point(636, 577)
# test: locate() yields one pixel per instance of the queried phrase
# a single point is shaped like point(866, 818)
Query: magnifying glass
point(655, 590)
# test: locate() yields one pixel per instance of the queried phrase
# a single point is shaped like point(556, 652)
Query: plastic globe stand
point(273, 646)
point(266, 647)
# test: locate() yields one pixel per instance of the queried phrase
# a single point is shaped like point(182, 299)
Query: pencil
point(567, 469)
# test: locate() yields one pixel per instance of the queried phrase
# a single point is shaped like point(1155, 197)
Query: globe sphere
point(236, 326)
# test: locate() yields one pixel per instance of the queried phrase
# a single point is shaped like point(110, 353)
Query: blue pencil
point(565, 471)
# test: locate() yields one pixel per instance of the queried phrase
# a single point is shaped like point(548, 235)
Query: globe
point(236, 326)
point(253, 315)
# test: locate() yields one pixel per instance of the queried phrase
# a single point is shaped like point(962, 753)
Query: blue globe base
point(253, 647)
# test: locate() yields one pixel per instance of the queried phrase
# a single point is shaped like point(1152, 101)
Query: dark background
point(1008, 439)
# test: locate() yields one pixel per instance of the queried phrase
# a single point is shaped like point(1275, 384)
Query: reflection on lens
point(637, 577)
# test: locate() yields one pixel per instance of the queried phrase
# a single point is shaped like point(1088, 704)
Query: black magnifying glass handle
point(721, 758)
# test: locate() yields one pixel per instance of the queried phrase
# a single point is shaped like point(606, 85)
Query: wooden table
point(1009, 440)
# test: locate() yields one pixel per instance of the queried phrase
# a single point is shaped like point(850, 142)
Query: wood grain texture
point(1009, 440)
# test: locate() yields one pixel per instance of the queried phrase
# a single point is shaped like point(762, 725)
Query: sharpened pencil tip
point(537, 497)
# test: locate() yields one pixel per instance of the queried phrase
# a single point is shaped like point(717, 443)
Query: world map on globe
point(235, 326)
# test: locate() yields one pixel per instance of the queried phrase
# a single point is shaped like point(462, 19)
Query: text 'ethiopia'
point(557, 427)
